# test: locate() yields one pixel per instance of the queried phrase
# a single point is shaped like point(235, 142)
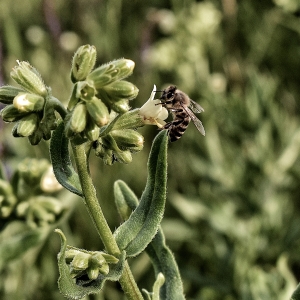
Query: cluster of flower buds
point(96, 93)
point(27, 197)
point(91, 263)
point(28, 106)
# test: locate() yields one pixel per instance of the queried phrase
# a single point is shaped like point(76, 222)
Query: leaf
point(160, 254)
point(62, 166)
point(136, 233)
point(77, 289)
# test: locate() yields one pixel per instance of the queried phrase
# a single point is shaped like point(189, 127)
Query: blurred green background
point(233, 215)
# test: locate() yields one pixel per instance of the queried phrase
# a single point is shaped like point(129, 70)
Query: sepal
point(105, 266)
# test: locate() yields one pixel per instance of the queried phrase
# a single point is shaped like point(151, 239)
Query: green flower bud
point(129, 120)
point(105, 154)
point(92, 131)
point(7, 199)
point(83, 62)
point(37, 136)
point(128, 139)
point(121, 89)
point(123, 157)
point(104, 269)
point(11, 114)
point(120, 106)
point(80, 261)
point(98, 111)
point(85, 91)
point(8, 93)
point(78, 120)
point(112, 71)
point(26, 102)
point(93, 272)
point(26, 126)
point(29, 78)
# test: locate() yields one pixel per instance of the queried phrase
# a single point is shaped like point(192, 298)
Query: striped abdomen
point(178, 126)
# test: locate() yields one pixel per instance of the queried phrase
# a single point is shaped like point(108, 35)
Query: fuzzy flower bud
point(112, 71)
point(28, 78)
point(26, 102)
point(83, 62)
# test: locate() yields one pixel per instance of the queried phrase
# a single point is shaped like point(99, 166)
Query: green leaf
point(62, 166)
point(160, 254)
point(296, 294)
point(136, 233)
point(79, 288)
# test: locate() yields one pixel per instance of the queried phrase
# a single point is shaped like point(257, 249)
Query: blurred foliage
point(233, 219)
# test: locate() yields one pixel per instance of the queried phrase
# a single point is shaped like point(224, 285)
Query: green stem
point(58, 106)
point(127, 281)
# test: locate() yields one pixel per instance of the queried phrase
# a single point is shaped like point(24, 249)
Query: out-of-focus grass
point(232, 217)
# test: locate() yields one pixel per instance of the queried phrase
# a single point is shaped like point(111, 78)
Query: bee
point(182, 109)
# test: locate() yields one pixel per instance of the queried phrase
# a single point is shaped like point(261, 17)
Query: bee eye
point(170, 95)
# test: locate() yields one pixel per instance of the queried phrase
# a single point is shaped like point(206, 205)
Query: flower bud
point(123, 157)
point(37, 136)
point(80, 261)
point(92, 131)
point(112, 71)
point(26, 126)
point(129, 120)
point(83, 62)
point(26, 102)
point(121, 89)
point(78, 118)
point(10, 114)
point(8, 93)
point(105, 154)
point(120, 106)
point(98, 111)
point(29, 78)
point(128, 139)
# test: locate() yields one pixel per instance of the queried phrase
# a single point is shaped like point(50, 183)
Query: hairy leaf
point(136, 233)
point(60, 158)
point(160, 254)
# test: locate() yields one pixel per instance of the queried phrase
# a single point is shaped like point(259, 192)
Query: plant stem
point(127, 281)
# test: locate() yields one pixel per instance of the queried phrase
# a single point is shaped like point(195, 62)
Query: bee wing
point(195, 120)
point(195, 107)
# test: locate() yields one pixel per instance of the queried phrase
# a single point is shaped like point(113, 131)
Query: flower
point(152, 112)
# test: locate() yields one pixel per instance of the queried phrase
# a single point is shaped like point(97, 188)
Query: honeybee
point(182, 109)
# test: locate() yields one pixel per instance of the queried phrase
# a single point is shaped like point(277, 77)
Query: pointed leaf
point(60, 158)
point(136, 233)
point(160, 254)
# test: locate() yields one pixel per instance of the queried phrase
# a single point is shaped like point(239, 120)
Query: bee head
point(169, 92)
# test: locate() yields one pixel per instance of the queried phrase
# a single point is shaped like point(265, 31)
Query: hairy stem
point(90, 199)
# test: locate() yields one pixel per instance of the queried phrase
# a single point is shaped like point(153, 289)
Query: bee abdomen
point(178, 128)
